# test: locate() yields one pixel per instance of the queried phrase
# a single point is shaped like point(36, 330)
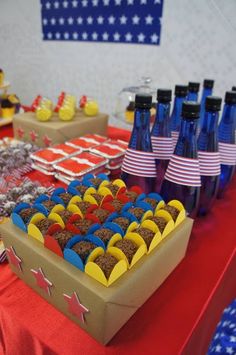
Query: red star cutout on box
point(20, 132)
point(41, 280)
point(47, 141)
point(13, 258)
point(75, 307)
point(33, 136)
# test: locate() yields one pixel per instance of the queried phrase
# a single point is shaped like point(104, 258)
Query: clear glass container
point(124, 110)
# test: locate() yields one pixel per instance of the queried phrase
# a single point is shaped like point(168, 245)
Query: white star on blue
point(119, 21)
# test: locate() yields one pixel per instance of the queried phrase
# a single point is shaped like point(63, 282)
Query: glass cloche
point(124, 110)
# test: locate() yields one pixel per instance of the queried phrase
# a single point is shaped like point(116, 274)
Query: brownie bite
point(44, 224)
point(117, 204)
point(97, 197)
point(48, 204)
point(66, 197)
point(104, 234)
point(27, 213)
point(113, 188)
point(62, 237)
point(174, 212)
point(128, 247)
point(107, 263)
point(151, 202)
point(101, 214)
point(81, 189)
point(65, 215)
point(159, 221)
point(137, 212)
point(83, 225)
point(96, 182)
point(123, 222)
point(83, 206)
point(132, 195)
point(146, 234)
point(83, 249)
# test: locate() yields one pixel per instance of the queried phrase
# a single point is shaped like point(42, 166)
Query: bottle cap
point(230, 97)
point(190, 110)
point(181, 90)
point(193, 87)
point(164, 95)
point(143, 101)
point(208, 84)
point(213, 103)
point(233, 88)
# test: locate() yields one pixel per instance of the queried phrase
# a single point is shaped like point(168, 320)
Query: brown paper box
point(109, 308)
point(26, 126)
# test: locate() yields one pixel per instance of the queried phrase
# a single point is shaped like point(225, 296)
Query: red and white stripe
point(209, 163)
point(175, 136)
point(163, 147)
point(183, 171)
point(227, 153)
point(139, 163)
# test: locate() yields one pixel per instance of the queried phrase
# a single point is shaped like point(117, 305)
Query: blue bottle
point(208, 154)
point(227, 143)
point(139, 166)
point(181, 92)
point(162, 142)
point(193, 89)
point(208, 85)
point(182, 179)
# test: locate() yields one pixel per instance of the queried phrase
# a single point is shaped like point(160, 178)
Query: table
point(179, 318)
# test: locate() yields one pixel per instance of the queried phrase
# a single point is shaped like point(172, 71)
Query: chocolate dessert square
point(62, 237)
point(101, 214)
point(137, 212)
point(66, 197)
point(160, 222)
point(123, 222)
point(174, 212)
point(104, 234)
point(65, 215)
point(128, 247)
point(83, 225)
point(106, 262)
point(48, 204)
point(27, 213)
point(44, 224)
point(83, 249)
point(146, 234)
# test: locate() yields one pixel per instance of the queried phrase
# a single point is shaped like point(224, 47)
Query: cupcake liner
point(132, 219)
point(154, 196)
point(16, 218)
point(34, 232)
point(51, 243)
point(156, 237)
point(73, 258)
point(179, 206)
point(139, 242)
point(140, 204)
point(93, 270)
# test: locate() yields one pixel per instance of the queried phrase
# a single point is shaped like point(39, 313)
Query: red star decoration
point(41, 280)
point(33, 136)
point(75, 307)
point(47, 141)
point(20, 132)
point(13, 258)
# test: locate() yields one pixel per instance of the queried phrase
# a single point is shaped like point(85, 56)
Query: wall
point(198, 41)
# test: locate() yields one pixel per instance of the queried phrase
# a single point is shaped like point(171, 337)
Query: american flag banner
point(118, 21)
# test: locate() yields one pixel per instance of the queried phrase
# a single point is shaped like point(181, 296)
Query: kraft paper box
point(99, 310)
point(29, 129)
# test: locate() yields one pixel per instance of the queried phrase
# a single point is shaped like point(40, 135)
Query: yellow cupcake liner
point(93, 270)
